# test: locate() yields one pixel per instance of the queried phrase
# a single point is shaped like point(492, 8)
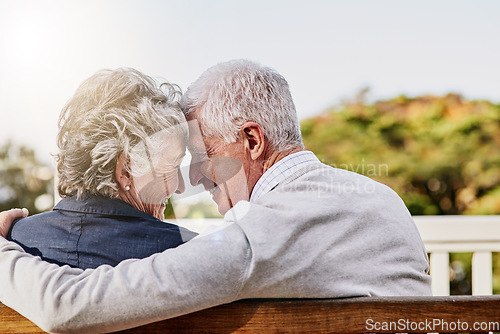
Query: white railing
point(442, 235)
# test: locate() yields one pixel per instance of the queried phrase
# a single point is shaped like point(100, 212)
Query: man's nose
point(195, 173)
point(181, 186)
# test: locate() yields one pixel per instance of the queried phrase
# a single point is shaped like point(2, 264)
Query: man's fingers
point(7, 217)
point(16, 213)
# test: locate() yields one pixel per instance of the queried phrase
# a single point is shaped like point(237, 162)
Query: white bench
point(455, 234)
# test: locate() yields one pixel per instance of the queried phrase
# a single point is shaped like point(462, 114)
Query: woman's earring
point(127, 188)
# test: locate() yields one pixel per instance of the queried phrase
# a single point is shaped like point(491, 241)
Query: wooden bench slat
point(13, 322)
point(308, 315)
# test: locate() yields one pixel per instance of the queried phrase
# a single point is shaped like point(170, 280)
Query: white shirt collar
point(280, 171)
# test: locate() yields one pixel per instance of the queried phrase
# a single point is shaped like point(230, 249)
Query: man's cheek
point(237, 187)
point(207, 170)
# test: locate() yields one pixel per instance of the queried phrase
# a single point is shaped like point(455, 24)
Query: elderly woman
point(122, 138)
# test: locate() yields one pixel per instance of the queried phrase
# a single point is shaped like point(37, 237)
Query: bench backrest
point(354, 315)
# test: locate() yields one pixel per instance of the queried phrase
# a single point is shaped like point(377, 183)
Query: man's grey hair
point(231, 93)
point(110, 113)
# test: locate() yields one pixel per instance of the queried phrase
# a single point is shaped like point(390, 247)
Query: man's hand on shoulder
point(7, 217)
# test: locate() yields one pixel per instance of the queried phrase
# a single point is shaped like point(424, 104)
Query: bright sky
point(327, 50)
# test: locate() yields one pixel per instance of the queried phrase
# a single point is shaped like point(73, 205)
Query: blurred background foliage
point(440, 153)
point(24, 181)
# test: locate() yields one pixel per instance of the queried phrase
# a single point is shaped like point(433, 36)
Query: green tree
point(441, 154)
point(24, 181)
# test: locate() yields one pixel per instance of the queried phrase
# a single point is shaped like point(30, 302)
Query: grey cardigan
point(322, 232)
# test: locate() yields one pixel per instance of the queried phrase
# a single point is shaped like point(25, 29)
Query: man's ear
point(253, 139)
point(122, 175)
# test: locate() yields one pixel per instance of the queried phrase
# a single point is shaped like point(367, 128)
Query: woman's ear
point(253, 139)
point(122, 175)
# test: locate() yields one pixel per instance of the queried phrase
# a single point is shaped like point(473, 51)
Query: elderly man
point(294, 227)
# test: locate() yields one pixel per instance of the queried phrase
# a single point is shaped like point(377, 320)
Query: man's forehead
point(199, 143)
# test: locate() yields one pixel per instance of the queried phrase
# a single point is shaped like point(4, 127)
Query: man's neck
point(274, 157)
point(270, 159)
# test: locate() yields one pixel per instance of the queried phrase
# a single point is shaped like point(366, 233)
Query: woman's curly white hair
point(109, 114)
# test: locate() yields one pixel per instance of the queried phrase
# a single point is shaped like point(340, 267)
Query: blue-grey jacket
point(93, 231)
